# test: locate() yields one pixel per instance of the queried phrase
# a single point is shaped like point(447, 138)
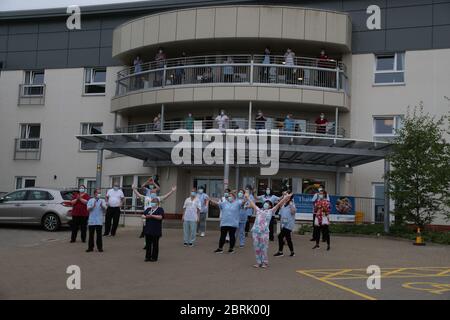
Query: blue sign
point(340, 205)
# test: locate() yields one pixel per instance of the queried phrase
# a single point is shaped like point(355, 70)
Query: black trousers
point(247, 225)
point(285, 234)
point(272, 227)
point(79, 223)
point(151, 247)
point(316, 232)
point(112, 215)
point(325, 233)
point(223, 234)
point(98, 231)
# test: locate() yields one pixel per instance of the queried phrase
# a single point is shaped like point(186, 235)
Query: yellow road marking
point(331, 275)
point(365, 296)
point(436, 288)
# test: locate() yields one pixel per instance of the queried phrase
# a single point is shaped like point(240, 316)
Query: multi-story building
point(58, 84)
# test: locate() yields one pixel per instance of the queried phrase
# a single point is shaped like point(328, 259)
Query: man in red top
point(321, 124)
point(80, 214)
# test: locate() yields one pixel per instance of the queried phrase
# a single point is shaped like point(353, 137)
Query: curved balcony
point(240, 27)
point(233, 78)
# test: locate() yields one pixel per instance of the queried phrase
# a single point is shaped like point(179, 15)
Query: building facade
point(58, 84)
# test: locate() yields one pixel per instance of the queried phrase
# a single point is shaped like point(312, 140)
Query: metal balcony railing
point(31, 94)
point(234, 69)
point(296, 127)
point(27, 149)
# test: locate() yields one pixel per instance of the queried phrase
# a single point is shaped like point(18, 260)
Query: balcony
point(296, 127)
point(27, 149)
point(234, 77)
point(31, 94)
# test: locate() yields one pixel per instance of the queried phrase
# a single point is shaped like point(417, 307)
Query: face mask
point(222, 113)
point(266, 206)
point(153, 195)
point(82, 190)
point(268, 192)
point(116, 188)
point(193, 193)
point(150, 187)
point(153, 204)
point(240, 194)
point(230, 199)
point(321, 117)
point(225, 194)
point(200, 191)
point(320, 196)
point(98, 196)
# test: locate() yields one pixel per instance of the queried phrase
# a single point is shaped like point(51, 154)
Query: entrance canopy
point(295, 151)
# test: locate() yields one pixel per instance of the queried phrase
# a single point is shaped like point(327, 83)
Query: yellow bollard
point(419, 240)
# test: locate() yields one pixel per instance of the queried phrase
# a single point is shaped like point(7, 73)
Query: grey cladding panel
point(328, 5)
point(83, 57)
point(22, 42)
point(106, 38)
point(23, 27)
point(3, 28)
point(58, 25)
point(441, 13)
point(359, 20)
point(368, 41)
point(55, 58)
point(106, 58)
point(412, 38)
point(3, 43)
point(84, 39)
point(441, 37)
point(350, 5)
point(405, 3)
point(21, 60)
point(418, 16)
point(56, 40)
point(90, 23)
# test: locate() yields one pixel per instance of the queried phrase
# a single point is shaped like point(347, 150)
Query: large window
point(390, 68)
point(30, 134)
point(94, 81)
point(25, 182)
point(34, 83)
point(385, 127)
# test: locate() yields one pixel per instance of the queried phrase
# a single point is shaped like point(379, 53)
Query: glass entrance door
point(214, 189)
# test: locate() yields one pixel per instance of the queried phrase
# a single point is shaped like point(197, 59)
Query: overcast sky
point(8, 5)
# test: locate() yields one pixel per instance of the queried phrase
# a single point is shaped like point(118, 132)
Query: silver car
point(49, 208)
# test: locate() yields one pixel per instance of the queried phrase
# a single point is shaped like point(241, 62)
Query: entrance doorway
point(214, 189)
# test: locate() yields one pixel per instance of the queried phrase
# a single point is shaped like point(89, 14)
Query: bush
point(400, 231)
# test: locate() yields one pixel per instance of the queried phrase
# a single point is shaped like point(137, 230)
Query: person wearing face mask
point(79, 213)
point(249, 190)
point(260, 230)
point(321, 124)
point(222, 121)
point(244, 212)
point(288, 123)
point(287, 220)
point(319, 195)
point(160, 60)
point(114, 199)
point(190, 218)
point(273, 222)
point(260, 121)
point(204, 204)
point(150, 186)
point(322, 210)
point(96, 207)
point(289, 61)
point(153, 215)
point(264, 71)
point(229, 220)
point(189, 122)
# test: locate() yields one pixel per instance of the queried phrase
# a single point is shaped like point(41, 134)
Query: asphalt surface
point(33, 265)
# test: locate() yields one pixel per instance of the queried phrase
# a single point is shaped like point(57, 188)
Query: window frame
point(22, 184)
point(395, 117)
point(89, 128)
point(394, 70)
point(92, 81)
point(27, 135)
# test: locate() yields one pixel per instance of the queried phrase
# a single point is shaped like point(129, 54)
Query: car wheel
point(50, 222)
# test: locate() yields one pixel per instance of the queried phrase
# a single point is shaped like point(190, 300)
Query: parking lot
point(34, 263)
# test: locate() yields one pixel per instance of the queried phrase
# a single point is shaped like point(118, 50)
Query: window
point(311, 186)
point(30, 134)
point(25, 182)
point(90, 128)
point(385, 127)
point(34, 83)
point(390, 68)
point(16, 196)
point(378, 194)
point(38, 195)
point(94, 80)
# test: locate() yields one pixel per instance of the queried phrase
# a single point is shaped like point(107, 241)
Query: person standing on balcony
point(191, 217)
point(80, 214)
point(289, 124)
point(222, 121)
point(189, 122)
point(325, 77)
point(137, 68)
point(157, 123)
point(287, 220)
point(160, 60)
point(264, 73)
point(96, 207)
point(114, 199)
point(180, 72)
point(260, 121)
point(289, 62)
point(204, 205)
point(273, 199)
point(321, 124)
point(228, 72)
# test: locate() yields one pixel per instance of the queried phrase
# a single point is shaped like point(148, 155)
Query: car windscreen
point(67, 195)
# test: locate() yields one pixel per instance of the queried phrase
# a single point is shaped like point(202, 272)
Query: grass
point(406, 232)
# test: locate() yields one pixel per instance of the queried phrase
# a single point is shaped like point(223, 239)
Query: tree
point(420, 175)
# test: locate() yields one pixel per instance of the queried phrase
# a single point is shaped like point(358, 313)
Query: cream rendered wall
point(427, 79)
